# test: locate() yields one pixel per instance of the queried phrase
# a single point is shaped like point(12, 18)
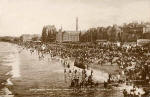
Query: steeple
point(77, 24)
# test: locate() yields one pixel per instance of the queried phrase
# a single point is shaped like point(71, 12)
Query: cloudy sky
point(29, 16)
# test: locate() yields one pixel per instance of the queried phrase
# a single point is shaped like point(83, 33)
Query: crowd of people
point(78, 78)
point(133, 61)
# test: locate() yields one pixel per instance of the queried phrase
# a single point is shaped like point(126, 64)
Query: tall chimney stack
point(77, 24)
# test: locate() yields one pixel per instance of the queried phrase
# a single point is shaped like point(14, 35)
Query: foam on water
point(9, 82)
point(7, 93)
point(12, 59)
point(15, 68)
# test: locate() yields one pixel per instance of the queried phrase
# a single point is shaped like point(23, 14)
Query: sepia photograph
point(74, 48)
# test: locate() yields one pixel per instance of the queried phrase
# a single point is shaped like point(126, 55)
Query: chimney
point(77, 24)
point(61, 28)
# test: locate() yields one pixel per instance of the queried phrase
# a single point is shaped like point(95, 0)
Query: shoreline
point(5, 81)
point(27, 56)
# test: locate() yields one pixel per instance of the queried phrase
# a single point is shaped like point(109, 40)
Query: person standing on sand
point(70, 75)
point(65, 75)
point(109, 77)
point(91, 72)
point(68, 65)
point(125, 93)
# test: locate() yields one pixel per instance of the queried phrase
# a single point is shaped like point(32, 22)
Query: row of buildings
point(126, 33)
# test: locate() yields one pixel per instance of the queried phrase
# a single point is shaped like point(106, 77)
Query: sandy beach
point(43, 78)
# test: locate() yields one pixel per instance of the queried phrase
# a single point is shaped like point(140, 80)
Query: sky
point(29, 16)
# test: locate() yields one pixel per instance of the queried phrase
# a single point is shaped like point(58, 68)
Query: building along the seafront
point(68, 36)
point(29, 37)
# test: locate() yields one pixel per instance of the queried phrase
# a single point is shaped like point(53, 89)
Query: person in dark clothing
point(91, 72)
point(68, 65)
point(109, 78)
point(125, 93)
point(105, 84)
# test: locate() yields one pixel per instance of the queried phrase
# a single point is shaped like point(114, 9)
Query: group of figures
point(78, 78)
point(133, 61)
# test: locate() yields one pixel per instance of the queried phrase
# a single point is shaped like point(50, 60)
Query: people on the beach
point(133, 61)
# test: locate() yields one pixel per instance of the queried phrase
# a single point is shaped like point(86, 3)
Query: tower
point(77, 24)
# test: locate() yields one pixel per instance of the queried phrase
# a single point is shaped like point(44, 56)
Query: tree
point(51, 33)
point(44, 35)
